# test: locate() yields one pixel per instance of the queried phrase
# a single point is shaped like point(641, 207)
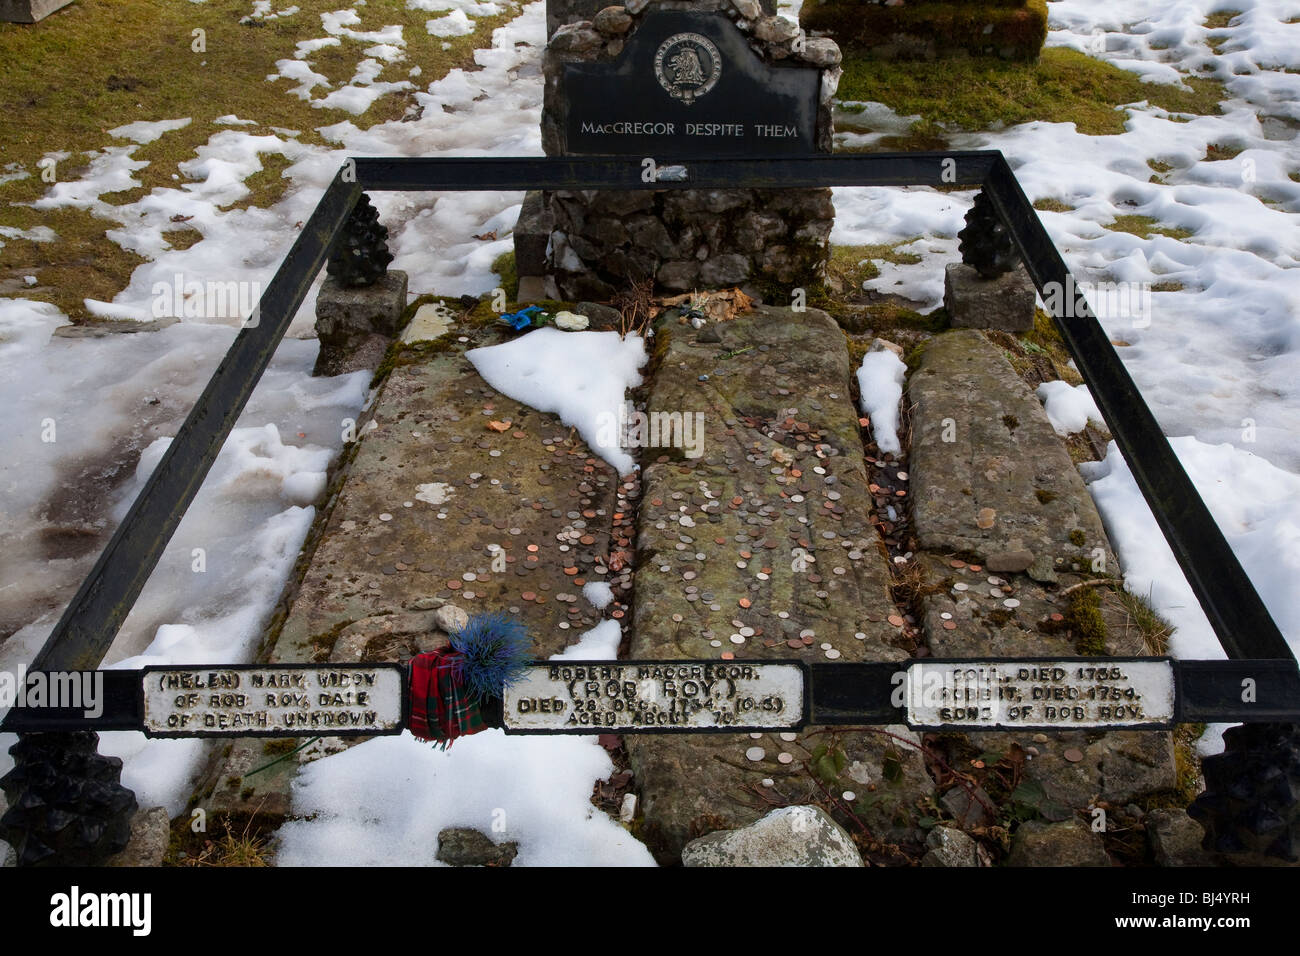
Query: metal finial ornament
point(985, 243)
point(360, 255)
point(67, 805)
point(1251, 802)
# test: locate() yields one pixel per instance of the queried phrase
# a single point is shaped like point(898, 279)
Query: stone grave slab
point(992, 479)
point(436, 496)
point(760, 547)
point(1002, 590)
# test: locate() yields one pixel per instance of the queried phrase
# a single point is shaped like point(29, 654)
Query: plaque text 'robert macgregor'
point(589, 697)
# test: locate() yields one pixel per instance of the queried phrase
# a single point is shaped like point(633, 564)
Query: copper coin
point(1074, 755)
point(957, 564)
point(454, 585)
point(794, 642)
point(950, 625)
point(728, 656)
point(744, 602)
point(532, 548)
point(529, 595)
point(895, 620)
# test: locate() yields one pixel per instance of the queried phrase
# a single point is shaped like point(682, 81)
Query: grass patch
point(504, 267)
point(978, 92)
point(182, 238)
point(1167, 286)
point(104, 63)
point(1155, 630)
point(1217, 21)
point(1144, 227)
point(854, 265)
point(1219, 151)
point(1052, 205)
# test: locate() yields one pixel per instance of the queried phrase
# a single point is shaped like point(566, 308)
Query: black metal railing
point(97, 611)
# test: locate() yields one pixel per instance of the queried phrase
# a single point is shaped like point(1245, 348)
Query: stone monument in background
point(672, 81)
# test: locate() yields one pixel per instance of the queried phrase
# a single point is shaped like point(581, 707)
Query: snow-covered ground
point(1217, 362)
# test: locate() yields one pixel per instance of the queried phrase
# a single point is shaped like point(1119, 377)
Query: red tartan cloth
point(440, 709)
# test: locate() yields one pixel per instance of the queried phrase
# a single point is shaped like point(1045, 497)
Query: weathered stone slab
point(791, 836)
point(992, 480)
point(766, 531)
point(984, 453)
point(1006, 302)
point(440, 510)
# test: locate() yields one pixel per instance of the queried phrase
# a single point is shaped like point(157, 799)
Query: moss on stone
point(1044, 496)
point(1078, 538)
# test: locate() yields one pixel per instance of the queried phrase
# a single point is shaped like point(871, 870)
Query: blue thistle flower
point(494, 648)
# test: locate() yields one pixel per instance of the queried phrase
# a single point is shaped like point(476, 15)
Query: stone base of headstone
point(1005, 303)
point(356, 325)
point(531, 235)
point(536, 289)
point(29, 11)
point(602, 71)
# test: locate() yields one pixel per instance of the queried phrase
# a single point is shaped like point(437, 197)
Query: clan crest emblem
point(687, 65)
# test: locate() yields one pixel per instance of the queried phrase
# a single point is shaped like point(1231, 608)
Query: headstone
point(689, 85)
point(672, 82)
point(29, 11)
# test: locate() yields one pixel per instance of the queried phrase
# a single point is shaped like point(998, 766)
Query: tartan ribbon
point(441, 708)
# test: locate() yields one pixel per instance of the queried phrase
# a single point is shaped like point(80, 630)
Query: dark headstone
point(688, 85)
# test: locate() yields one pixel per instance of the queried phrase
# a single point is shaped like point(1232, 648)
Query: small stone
point(450, 618)
point(1068, 843)
point(463, 846)
point(575, 38)
point(612, 21)
point(571, 321)
point(821, 51)
point(776, 30)
point(949, 847)
point(791, 836)
point(1176, 839)
point(1009, 561)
